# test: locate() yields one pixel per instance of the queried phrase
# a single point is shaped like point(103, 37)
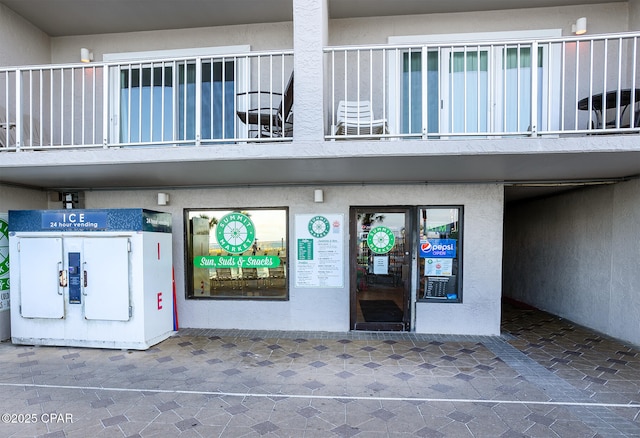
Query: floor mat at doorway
point(380, 311)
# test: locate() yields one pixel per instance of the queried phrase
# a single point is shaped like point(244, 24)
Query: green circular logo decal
point(4, 247)
point(235, 233)
point(319, 226)
point(381, 240)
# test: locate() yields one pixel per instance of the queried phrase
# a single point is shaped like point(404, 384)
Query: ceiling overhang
point(58, 18)
point(562, 165)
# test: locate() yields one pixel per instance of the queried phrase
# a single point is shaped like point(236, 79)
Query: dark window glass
point(440, 251)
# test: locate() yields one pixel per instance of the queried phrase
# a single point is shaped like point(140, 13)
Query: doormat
point(380, 311)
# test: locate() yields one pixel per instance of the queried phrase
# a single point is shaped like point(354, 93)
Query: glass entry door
point(380, 268)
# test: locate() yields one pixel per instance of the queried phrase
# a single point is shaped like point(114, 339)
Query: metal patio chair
point(267, 121)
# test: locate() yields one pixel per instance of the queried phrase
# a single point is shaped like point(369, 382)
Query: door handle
point(84, 275)
point(62, 278)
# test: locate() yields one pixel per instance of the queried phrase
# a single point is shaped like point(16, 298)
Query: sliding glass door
point(454, 84)
point(465, 87)
point(146, 104)
point(157, 102)
point(218, 100)
point(514, 97)
point(419, 83)
point(476, 89)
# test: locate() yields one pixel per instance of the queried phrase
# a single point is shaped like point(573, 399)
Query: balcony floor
point(523, 160)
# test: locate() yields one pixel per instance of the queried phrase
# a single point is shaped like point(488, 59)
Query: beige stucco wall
point(576, 255)
point(21, 42)
point(601, 18)
point(327, 309)
point(17, 198)
point(634, 15)
point(268, 36)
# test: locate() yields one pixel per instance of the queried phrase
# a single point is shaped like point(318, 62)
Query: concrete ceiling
point(84, 17)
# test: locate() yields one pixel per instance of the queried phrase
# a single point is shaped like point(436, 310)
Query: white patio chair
point(356, 118)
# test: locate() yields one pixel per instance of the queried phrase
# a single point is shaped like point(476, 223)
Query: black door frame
point(410, 213)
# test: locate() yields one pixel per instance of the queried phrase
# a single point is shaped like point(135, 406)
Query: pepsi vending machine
point(91, 278)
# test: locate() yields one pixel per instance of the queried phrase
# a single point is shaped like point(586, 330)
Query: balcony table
point(611, 102)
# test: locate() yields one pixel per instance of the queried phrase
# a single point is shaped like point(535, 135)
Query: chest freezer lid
point(121, 219)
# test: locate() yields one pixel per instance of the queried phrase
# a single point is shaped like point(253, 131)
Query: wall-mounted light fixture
point(318, 195)
point(86, 55)
point(163, 198)
point(580, 26)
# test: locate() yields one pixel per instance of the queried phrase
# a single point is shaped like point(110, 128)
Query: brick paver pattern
point(544, 377)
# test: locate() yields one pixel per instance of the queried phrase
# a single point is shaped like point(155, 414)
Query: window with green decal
point(237, 253)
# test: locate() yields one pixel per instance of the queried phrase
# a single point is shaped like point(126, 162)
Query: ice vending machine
point(91, 278)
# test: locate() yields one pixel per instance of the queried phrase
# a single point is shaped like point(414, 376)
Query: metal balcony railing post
point(19, 120)
point(198, 109)
point(106, 94)
point(633, 122)
point(618, 122)
point(534, 89)
point(425, 92)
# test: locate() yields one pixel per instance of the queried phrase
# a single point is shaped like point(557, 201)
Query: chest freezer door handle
point(62, 278)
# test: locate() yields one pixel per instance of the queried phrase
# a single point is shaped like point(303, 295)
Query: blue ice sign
point(438, 248)
point(74, 220)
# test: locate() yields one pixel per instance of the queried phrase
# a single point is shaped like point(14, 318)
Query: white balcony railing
point(550, 87)
point(484, 89)
point(186, 101)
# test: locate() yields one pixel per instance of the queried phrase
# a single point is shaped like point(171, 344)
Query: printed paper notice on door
point(438, 267)
point(381, 265)
point(319, 258)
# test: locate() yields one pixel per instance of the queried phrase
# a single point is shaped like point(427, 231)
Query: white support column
point(310, 36)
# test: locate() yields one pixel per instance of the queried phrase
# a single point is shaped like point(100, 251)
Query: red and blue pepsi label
point(440, 248)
